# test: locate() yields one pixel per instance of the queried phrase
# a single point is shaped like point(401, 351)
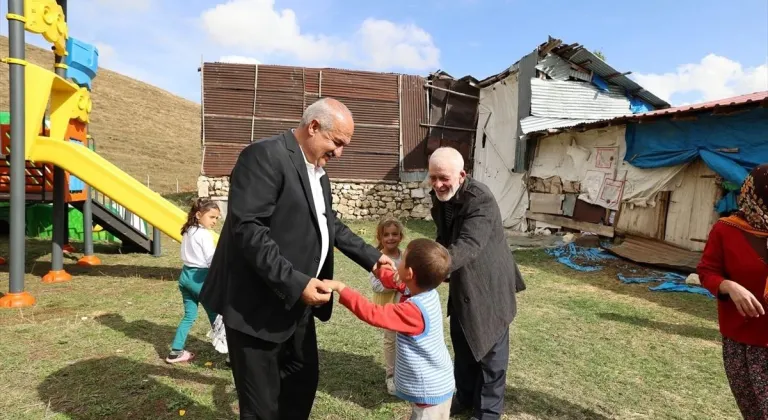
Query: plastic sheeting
point(591, 259)
point(670, 282)
point(600, 153)
point(580, 258)
point(731, 145)
point(494, 157)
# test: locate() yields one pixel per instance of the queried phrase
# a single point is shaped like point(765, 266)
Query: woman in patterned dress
point(734, 267)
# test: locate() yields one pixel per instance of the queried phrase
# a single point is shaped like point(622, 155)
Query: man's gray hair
point(324, 111)
point(448, 155)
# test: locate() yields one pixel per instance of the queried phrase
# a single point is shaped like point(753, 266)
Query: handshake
point(319, 291)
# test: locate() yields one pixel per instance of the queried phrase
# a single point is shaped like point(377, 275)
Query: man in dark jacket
point(482, 285)
point(276, 246)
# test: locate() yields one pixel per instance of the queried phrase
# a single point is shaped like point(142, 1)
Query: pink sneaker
point(185, 356)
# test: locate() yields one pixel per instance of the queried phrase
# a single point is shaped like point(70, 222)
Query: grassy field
point(584, 346)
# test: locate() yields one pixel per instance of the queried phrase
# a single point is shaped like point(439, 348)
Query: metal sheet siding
point(414, 112)
point(222, 129)
point(368, 111)
point(281, 95)
point(576, 100)
point(373, 154)
point(559, 69)
point(228, 89)
point(220, 158)
point(342, 84)
point(534, 124)
point(583, 57)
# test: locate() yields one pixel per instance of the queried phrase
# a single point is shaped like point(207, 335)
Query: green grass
point(583, 346)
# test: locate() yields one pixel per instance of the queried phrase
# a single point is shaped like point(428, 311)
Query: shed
point(557, 85)
point(666, 175)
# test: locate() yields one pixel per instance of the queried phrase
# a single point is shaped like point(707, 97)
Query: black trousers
point(480, 384)
point(275, 380)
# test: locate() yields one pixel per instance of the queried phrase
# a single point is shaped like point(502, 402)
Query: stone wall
point(353, 199)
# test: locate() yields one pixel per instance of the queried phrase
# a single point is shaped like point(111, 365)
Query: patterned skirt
point(747, 370)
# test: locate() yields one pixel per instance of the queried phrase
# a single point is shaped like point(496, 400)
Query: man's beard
point(447, 196)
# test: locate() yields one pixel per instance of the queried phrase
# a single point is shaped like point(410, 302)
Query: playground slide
point(107, 178)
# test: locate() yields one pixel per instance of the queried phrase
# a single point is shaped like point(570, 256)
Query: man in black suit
point(275, 247)
point(482, 285)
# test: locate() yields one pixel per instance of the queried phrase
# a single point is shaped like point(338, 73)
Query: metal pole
point(17, 297)
point(89, 258)
point(156, 251)
point(57, 273)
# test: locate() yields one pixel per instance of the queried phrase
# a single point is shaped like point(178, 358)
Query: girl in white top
point(197, 249)
point(389, 235)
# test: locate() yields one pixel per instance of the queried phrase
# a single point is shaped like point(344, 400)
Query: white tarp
point(596, 159)
point(495, 151)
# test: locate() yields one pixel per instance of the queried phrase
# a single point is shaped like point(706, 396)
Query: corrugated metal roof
point(576, 100)
point(582, 57)
point(557, 68)
point(534, 124)
point(735, 102)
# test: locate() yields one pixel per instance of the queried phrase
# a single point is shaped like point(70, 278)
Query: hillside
point(140, 128)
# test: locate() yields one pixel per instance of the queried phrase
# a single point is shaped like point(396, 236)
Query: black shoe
point(457, 408)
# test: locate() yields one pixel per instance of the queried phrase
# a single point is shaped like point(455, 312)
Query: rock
point(407, 205)
point(693, 278)
point(202, 188)
point(417, 193)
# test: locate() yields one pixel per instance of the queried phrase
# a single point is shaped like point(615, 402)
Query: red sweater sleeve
point(404, 318)
point(710, 269)
point(387, 278)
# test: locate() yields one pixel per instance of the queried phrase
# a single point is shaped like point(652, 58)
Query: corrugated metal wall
point(242, 103)
point(414, 105)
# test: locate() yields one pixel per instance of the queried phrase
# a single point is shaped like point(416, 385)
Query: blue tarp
point(637, 105)
point(589, 260)
point(600, 83)
point(670, 282)
point(670, 286)
point(713, 138)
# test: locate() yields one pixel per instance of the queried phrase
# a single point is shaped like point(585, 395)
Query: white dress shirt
point(315, 173)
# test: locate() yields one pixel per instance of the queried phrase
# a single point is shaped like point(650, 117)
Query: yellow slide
point(107, 178)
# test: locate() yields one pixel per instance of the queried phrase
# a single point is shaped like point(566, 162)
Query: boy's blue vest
point(423, 367)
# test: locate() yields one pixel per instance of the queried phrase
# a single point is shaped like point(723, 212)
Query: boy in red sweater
point(423, 367)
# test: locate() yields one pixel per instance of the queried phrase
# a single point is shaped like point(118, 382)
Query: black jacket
point(484, 276)
point(269, 246)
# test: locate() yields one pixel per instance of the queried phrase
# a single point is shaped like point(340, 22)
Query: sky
point(684, 51)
